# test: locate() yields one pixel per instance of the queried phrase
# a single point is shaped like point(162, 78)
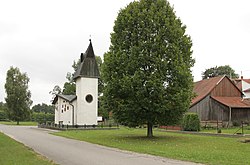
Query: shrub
point(236, 123)
point(219, 130)
point(191, 122)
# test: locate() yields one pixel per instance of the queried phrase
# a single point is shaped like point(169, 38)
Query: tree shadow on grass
point(157, 138)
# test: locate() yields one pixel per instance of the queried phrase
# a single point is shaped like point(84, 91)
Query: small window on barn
point(64, 101)
point(67, 107)
point(62, 106)
point(62, 110)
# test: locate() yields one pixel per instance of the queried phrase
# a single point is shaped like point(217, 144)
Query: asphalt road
point(65, 151)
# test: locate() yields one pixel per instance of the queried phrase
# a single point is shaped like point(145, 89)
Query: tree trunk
point(17, 122)
point(150, 130)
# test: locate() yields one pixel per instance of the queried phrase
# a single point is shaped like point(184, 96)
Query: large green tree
point(146, 71)
point(219, 71)
point(18, 95)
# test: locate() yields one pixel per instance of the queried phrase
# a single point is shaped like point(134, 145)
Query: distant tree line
point(39, 113)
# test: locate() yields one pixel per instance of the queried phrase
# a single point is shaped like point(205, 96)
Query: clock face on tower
point(89, 98)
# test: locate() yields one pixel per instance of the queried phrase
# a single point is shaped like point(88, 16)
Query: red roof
point(204, 87)
point(247, 90)
point(233, 102)
point(247, 80)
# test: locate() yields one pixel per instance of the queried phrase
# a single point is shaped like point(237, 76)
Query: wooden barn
point(219, 99)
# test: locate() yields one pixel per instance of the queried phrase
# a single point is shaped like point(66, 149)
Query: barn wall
point(218, 111)
point(202, 109)
point(226, 89)
point(240, 114)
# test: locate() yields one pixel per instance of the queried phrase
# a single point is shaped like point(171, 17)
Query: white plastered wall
point(245, 86)
point(86, 112)
point(64, 111)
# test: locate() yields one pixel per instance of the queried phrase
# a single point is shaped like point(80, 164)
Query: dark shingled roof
point(88, 66)
point(68, 98)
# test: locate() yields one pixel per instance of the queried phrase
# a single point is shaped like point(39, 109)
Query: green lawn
point(21, 123)
point(195, 148)
point(14, 153)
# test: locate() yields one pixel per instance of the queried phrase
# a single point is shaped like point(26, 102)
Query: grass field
point(14, 153)
point(195, 148)
point(21, 123)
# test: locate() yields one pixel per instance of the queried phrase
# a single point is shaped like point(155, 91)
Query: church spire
point(88, 66)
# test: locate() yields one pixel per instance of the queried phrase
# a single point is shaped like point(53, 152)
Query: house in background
point(80, 109)
point(219, 99)
point(244, 86)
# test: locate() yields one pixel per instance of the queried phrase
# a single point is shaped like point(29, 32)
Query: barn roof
point(88, 66)
point(233, 102)
point(68, 98)
point(204, 87)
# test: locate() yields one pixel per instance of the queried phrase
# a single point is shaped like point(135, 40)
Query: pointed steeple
point(90, 52)
point(88, 66)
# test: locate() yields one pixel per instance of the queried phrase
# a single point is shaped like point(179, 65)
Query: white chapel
point(82, 108)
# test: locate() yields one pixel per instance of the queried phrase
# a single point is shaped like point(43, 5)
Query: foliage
point(56, 90)
point(13, 152)
point(196, 148)
point(146, 71)
point(191, 122)
point(236, 123)
point(219, 71)
point(3, 110)
point(43, 108)
point(18, 96)
point(42, 117)
point(102, 109)
point(100, 80)
point(3, 116)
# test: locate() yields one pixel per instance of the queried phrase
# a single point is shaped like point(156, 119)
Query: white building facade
point(246, 88)
point(82, 108)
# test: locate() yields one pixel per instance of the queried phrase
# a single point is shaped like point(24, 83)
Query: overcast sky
point(44, 37)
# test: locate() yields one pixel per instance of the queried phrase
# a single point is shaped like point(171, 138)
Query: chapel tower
point(86, 78)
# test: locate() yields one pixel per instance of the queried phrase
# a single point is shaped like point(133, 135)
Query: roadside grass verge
point(195, 148)
point(13, 152)
point(21, 123)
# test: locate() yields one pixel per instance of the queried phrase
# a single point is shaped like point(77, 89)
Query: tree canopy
point(146, 71)
point(44, 108)
point(219, 71)
point(18, 95)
